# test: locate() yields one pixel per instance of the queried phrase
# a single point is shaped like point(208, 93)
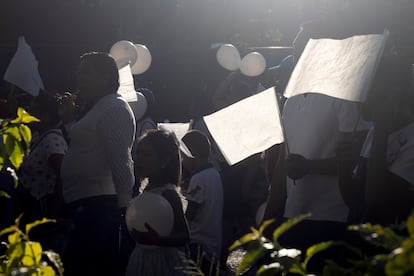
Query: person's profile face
point(88, 81)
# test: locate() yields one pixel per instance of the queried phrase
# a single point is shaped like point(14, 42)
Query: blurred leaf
point(15, 255)
point(250, 258)
point(3, 154)
point(29, 226)
point(264, 225)
point(244, 240)
point(14, 237)
point(286, 226)
point(26, 134)
point(23, 117)
point(13, 131)
point(314, 249)
point(47, 271)
point(4, 194)
point(14, 150)
point(410, 224)
point(32, 253)
point(378, 235)
point(269, 270)
point(9, 229)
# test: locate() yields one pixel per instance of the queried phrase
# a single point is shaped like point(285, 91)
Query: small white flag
point(247, 127)
point(23, 69)
point(342, 69)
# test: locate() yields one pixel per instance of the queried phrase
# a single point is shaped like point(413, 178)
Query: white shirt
point(312, 125)
point(205, 189)
point(400, 151)
point(98, 161)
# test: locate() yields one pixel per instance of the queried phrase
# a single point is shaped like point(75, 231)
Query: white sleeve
point(349, 117)
point(116, 128)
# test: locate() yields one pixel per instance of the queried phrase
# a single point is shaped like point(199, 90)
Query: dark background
point(179, 33)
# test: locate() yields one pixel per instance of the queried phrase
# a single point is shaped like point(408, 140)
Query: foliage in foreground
point(26, 257)
point(392, 252)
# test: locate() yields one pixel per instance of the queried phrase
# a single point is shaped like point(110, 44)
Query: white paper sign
point(247, 127)
point(179, 130)
point(126, 84)
point(342, 69)
point(23, 69)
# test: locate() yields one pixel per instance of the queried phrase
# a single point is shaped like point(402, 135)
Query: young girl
point(158, 159)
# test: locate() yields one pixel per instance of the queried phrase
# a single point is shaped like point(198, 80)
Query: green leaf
point(286, 226)
point(314, 249)
point(244, 240)
point(24, 117)
point(29, 226)
point(4, 194)
point(14, 131)
point(250, 258)
point(32, 253)
point(270, 269)
point(14, 151)
point(15, 253)
point(47, 271)
point(14, 237)
point(26, 134)
point(3, 154)
point(265, 224)
point(9, 229)
point(410, 224)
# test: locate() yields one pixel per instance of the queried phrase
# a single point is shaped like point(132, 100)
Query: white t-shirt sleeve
point(349, 117)
point(54, 143)
point(116, 128)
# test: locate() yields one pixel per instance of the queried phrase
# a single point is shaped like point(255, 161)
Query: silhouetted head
point(98, 76)
point(157, 156)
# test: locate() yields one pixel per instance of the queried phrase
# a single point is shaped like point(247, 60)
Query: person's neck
point(155, 181)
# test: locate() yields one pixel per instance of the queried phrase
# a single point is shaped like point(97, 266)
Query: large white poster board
point(247, 127)
point(338, 68)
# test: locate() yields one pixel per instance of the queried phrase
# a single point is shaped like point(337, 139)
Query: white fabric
point(312, 124)
point(36, 174)
point(400, 152)
point(206, 190)
point(339, 68)
point(98, 161)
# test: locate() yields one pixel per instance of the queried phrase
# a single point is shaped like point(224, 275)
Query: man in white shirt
point(97, 172)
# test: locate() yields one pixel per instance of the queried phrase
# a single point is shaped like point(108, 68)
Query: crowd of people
point(342, 162)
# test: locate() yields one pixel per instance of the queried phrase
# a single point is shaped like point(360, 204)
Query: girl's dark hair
point(48, 104)
point(105, 66)
point(166, 146)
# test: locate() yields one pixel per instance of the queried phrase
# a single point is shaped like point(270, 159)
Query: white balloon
point(260, 213)
point(139, 107)
point(253, 64)
point(150, 208)
point(229, 57)
point(143, 60)
point(123, 52)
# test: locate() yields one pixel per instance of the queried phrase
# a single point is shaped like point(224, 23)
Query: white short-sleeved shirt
point(312, 124)
point(206, 190)
point(400, 152)
point(36, 174)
